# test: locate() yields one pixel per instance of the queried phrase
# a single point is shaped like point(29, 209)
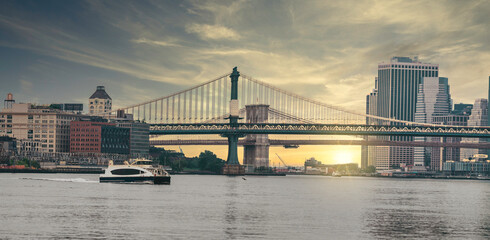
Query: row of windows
point(84, 144)
point(43, 136)
point(101, 102)
point(83, 149)
point(85, 130)
point(100, 107)
point(84, 135)
point(85, 139)
point(410, 66)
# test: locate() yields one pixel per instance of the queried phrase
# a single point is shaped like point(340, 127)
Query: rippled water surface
point(62, 206)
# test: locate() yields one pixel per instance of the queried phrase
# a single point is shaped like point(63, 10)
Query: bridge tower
point(256, 147)
point(232, 166)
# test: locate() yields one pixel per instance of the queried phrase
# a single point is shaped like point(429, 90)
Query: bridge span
point(235, 105)
point(279, 142)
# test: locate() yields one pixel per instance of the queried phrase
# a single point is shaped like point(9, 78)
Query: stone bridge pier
point(256, 146)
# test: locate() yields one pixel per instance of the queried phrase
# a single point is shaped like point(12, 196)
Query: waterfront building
point(397, 87)
point(478, 117)
point(41, 128)
point(100, 101)
point(139, 137)
point(8, 146)
point(433, 99)
point(465, 168)
point(96, 135)
point(139, 133)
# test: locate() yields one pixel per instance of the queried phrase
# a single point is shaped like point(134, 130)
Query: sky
point(59, 51)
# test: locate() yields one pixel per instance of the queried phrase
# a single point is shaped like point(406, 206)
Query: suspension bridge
point(250, 108)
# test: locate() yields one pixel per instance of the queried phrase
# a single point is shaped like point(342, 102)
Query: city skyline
point(60, 51)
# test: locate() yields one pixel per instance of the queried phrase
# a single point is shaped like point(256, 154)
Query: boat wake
point(78, 180)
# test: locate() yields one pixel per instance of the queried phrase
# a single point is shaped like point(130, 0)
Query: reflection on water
point(218, 207)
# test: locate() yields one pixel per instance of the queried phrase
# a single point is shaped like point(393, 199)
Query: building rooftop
point(100, 93)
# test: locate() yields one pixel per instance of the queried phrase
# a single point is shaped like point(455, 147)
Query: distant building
point(69, 107)
point(100, 101)
point(433, 99)
point(139, 133)
point(368, 153)
point(40, 128)
point(488, 111)
point(396, 97)
point(8, 146)
point(462, 109)
point(448, 153)
point(139, 137)
point(312, 162)
point(465, 168)
point(98, 136)
point(478, 117)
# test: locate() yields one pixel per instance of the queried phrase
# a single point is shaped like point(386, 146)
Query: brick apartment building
point(97, 136)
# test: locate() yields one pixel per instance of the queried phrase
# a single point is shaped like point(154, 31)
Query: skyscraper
point(398, 83)
point(478, 117)
point(368, 153)
point(433, 99)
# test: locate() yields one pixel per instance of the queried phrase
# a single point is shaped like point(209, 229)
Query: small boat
point(139, 170)
point(336, 174)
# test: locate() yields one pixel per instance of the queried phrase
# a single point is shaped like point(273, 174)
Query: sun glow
point(342, 156)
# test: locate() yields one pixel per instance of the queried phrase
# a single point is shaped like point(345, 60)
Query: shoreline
point(101, 171)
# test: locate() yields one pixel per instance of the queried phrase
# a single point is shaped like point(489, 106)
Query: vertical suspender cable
point(173, 109)
point(202, 102)
point(195, 103)
point(213, 107)
point(207, 101)
point(219, 97)
point(178, 107)
point(190, 106)
point(167, 112)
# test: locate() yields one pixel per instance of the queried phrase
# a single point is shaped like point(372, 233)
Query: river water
point(68, 206)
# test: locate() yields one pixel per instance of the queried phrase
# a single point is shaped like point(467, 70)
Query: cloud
point(26, 86)
point(157, 43)
point(327, 50)
point(213, 32)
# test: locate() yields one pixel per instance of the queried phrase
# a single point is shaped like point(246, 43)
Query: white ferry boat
point(139, 170)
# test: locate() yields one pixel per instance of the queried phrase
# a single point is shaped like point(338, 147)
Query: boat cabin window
point(126, 171)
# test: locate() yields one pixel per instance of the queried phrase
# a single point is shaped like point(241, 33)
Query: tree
point(370, 169)
point(210, 162)
point(178, 165)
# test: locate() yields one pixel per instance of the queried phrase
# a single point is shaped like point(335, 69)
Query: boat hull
point(153, 179)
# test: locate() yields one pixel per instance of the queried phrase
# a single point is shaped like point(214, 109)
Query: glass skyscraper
point(397, 89)
point(433, 99)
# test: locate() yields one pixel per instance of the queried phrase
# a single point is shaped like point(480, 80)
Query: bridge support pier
point(256, 147)
point(232, 166)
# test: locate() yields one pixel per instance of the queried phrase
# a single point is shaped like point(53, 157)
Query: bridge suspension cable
point(209, 102)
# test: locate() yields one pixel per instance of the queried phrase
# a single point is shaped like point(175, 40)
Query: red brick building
point(86, 136)
point(98, 137)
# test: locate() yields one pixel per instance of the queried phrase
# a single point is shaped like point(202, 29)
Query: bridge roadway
point(278, 142)
point(319, 129)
